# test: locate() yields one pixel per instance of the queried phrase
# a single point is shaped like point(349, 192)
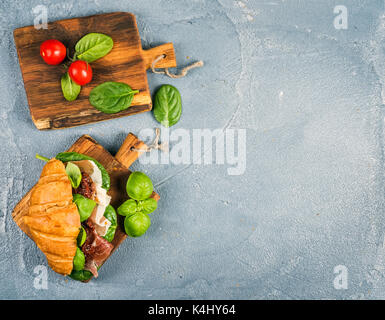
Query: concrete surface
point(312, 197)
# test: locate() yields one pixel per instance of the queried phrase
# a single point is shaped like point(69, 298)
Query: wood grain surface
point(126, 62)
point(117, 167)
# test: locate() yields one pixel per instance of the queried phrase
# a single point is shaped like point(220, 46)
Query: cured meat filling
point(87, 187)
point(96, 249)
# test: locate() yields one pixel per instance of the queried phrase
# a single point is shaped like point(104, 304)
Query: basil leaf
point(93, 46)
point(112, 97)
point(74, 156)
point(82, 275)
point(128, 207)
point(85, 206)
point(74, 174)
point(147, 206)
point(81, 237)
point(110, 215)
point(79, 260)
point(139, 186)
point(167, 105)
point(70, 89)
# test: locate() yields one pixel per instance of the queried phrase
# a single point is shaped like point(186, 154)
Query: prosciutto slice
point(96, 249)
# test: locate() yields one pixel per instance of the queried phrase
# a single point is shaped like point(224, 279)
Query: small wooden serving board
point(117, 167)
point(126, 62)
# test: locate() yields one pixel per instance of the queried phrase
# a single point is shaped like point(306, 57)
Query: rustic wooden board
point(117, 167)
point(126, 62)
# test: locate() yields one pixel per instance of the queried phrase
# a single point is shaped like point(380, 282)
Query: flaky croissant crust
point(53, 219)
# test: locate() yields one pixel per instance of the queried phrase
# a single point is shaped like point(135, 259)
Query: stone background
point(312, 197)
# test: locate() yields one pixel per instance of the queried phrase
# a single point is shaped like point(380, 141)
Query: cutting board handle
point(127, 154)
point(166, 49)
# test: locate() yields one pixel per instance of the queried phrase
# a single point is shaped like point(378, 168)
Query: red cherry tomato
point(80, 72)
point(53, 51)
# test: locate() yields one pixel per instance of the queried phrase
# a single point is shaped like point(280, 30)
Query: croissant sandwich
point(70, 217)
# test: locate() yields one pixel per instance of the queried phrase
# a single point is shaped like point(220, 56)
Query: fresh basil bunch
point(131, 206)
point(135, 210)
point(112, 97)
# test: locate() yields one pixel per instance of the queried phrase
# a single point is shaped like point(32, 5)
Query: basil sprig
point(131, 206)
point(112, 97)
point(167, 105)
point(93, 46)
point(70, 88)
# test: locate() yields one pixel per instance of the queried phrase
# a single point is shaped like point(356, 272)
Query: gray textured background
point(312, 197)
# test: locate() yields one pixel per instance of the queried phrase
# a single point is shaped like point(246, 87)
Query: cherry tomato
point(53, 51)
point(80, 72)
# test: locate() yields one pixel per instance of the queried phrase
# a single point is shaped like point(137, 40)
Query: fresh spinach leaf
point(70, 89)
point(93, 46)
point(167, 105)
point(112, 97)
point(74, 174)
point(74, 156)
point(110, 215)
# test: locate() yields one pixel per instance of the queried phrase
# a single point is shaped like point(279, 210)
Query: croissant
point(53, 219)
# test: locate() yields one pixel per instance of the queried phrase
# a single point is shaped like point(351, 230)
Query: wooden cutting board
point(126, 62)
point(117, 167)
